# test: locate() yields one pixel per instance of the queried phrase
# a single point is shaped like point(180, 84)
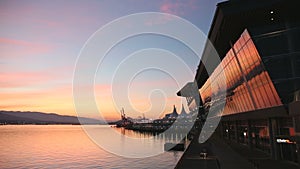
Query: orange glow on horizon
point(60, 100)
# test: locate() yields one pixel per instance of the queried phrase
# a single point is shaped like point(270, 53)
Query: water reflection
point(67, 146)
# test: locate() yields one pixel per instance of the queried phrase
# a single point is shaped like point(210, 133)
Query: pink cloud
point(14, 42)
point(55, 92)
point(158, 84)
point(12, 48)
point(24, 79)
point(179, 8)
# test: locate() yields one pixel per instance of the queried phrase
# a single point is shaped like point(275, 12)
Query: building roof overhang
point(231, 19)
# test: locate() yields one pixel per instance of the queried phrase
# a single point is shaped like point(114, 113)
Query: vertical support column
point(221, 130)
point(297, 132)
point(227, 127)
point(273, 131)
point(236, 131)
point(249, 133)
point(291, 41)
point(230, 123)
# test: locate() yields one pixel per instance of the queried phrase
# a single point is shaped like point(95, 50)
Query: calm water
point(67, 146)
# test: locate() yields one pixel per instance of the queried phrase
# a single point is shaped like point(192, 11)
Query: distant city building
point(259, 45)
point(172, 115)
point(183, 113)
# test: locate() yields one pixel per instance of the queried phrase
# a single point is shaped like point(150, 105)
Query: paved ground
point(193, 159)
point(221, 155)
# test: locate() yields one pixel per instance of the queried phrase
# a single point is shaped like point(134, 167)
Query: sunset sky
point(40, 41)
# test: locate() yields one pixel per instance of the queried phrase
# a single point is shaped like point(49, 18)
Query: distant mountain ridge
point(18, 117)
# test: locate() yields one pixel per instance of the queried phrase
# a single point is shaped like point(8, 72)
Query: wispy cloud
point(179, 8)
point(22, 79)
point(18, 79)
point(11, 48)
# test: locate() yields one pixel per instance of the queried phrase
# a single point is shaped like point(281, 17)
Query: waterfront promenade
point(221, 155)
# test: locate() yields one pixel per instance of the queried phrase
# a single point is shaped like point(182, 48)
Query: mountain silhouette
point(17, 117)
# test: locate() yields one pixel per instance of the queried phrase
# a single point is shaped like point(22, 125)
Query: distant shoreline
point(40, 118)
point(4, 124)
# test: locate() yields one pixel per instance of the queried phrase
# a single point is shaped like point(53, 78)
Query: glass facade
point(248, 85)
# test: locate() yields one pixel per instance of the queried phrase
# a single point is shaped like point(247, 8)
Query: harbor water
point(68, 146)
